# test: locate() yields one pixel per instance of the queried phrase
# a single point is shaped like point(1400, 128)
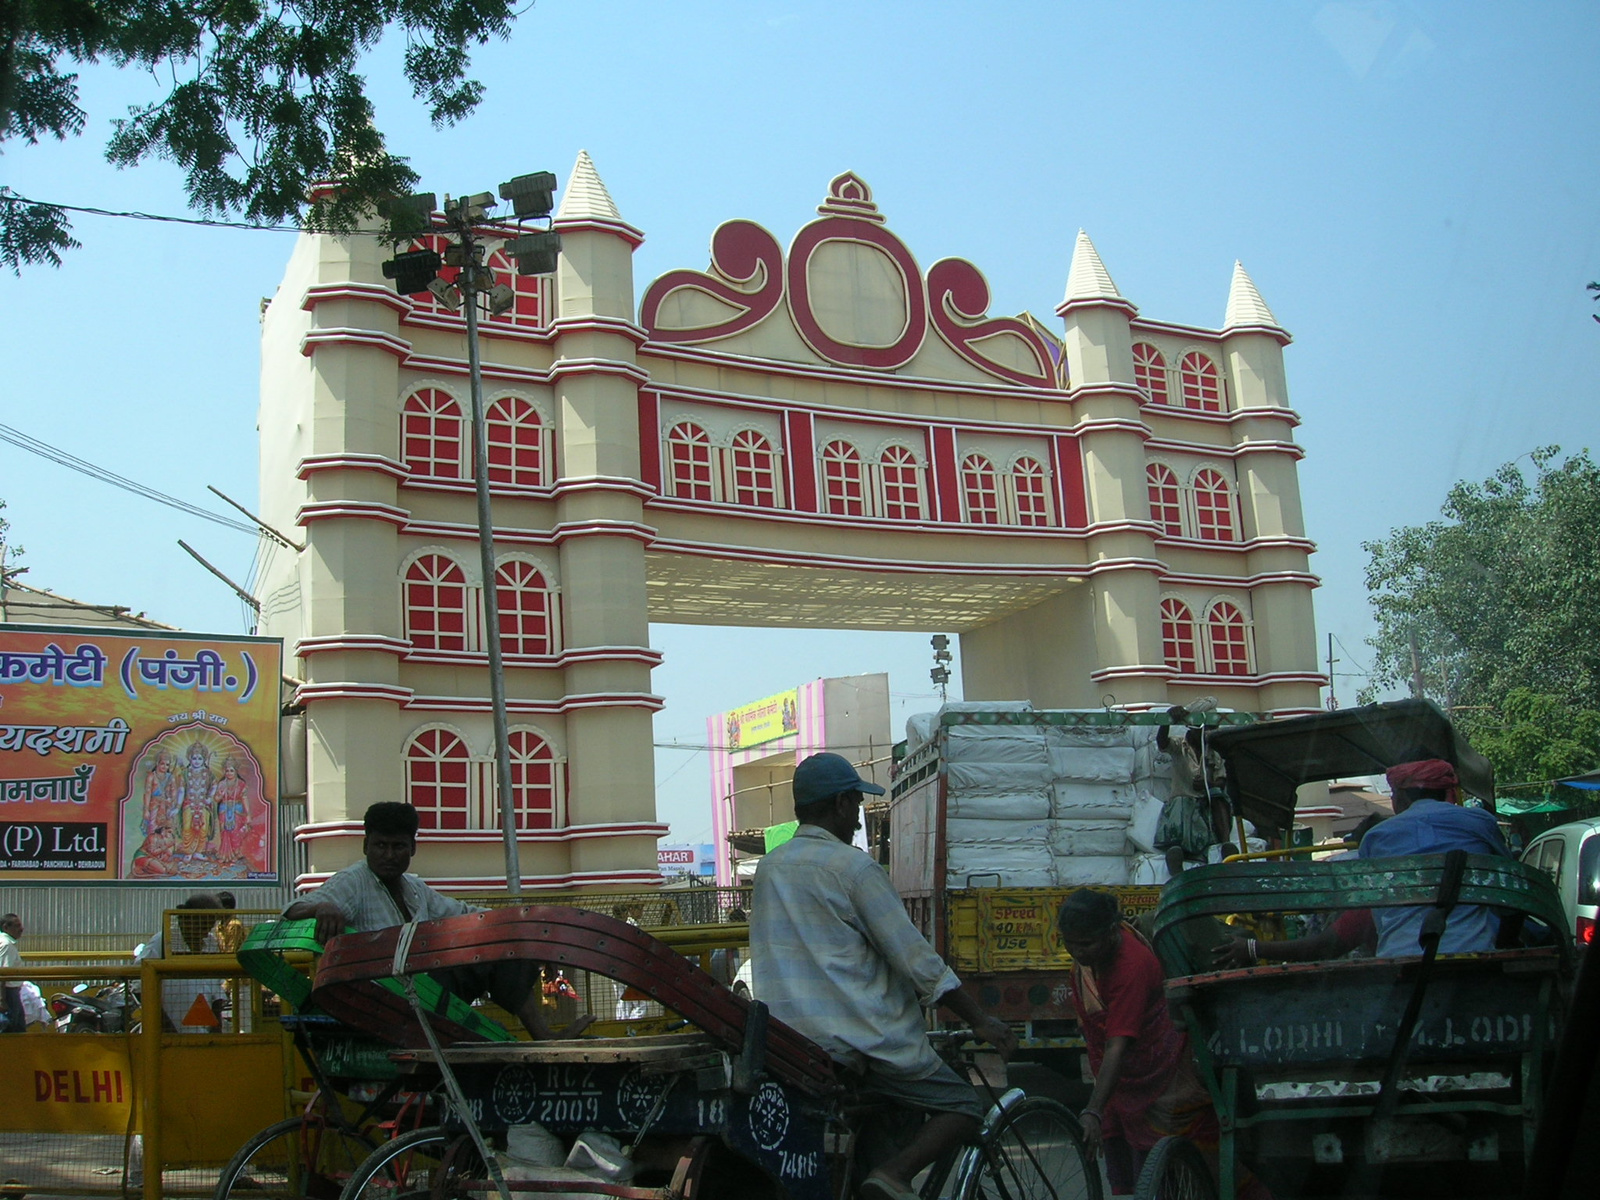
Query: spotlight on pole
point(448, 294)
point(531, 195)
point(413, 270)
point(502, 297)
point(535, 253)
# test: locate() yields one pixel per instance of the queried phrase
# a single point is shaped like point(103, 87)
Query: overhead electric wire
point(11, 197)
point(44, 450)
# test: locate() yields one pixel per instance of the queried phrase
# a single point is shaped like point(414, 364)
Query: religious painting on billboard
point(763, 720)
point(140, 758)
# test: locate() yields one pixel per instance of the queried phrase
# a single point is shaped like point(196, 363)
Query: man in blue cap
point(836, 957)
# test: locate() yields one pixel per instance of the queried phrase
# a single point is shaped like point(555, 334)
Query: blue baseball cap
point(824, 775)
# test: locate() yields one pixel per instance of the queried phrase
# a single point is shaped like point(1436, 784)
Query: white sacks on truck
point(1045, 804)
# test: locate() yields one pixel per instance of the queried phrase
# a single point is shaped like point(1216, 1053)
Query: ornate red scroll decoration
point(958, 299)
point(747, 266)
point(748, 273)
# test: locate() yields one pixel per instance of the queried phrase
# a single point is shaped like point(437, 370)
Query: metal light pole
point(416, 271)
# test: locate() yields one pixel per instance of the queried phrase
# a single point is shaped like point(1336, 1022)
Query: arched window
point(980, 489)
point(901, 478)
point(527, 624)
point(534, 782)
point(433, 435)
point(436, 604)
point(1166, 507)
point(755, 470)
point(844, 492)
point(528, 309)
point(1179, 646)
point(689, 462)
point(1229, 638)
point(1202, 386)
point(1028, 480)
point(1150, 372)
point(438, 769)
point(1213, 506)
point(516, 442)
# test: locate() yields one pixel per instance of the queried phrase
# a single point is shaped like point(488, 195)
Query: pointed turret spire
point(1246, 308)
point(1088, 281)
point(585, 197)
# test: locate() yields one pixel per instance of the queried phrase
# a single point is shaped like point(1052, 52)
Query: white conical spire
point(1246, 308)
point(585, 197)
point(1088, 279)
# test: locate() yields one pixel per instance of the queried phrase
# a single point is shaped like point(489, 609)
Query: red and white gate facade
point(1104, 507)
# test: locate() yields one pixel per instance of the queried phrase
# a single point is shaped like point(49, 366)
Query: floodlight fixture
point(420, 206)
point(939, 641)
point(469, 210)
point(530, 195)
point(535, 253)
point(448, 294)
point(501, 299)
point(413, 270)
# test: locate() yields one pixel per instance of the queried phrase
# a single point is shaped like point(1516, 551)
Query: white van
point(1570, 853)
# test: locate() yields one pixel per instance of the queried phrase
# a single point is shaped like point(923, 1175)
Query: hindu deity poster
point(145, 759)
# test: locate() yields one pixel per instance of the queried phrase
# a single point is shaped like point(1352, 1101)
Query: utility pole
point(1333, 700)
point(532, 196)
point(1416, 668)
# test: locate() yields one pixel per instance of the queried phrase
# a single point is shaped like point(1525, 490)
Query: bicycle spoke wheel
point(303, 1158)
point(1175, 1171)
point(413, 1165)
point(1035, 1152)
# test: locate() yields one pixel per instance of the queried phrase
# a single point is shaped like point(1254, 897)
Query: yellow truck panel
point(1014, 929)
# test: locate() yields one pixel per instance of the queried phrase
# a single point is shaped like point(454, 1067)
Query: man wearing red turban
point(1429, 819)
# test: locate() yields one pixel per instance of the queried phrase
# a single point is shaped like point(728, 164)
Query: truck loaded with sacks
point(997, 811)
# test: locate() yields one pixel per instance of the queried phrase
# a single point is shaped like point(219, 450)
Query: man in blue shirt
point(1429, 819)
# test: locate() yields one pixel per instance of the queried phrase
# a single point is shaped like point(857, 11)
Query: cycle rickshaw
point(736, 1107)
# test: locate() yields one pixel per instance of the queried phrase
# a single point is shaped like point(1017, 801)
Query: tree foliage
point(258, 101)
point(1501, 599)
point(1533, 737)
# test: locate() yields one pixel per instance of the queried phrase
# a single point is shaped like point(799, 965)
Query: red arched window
point(516, 442)
point(436, 604)
point(528, 308)
point(902, 484)
point(526, 625)
point(438, 768)
point(433, 435)
point(1029, 480)
point(1229, 638)
point(980, 488)
point(1213, 506)
point(1150, 372)
point(844, 491)
point(689, 462)
point(534, 782)
point(1178, 642)
point(1166, 505)
point(1202, 386)
point(755, 470)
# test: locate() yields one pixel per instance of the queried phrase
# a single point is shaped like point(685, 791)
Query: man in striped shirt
point(836, 957)
point(379, 892)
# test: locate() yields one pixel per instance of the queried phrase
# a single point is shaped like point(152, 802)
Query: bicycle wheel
point(303, 1158)
point(415, 1164)
point(1175, 1170)
point(1034, 1152)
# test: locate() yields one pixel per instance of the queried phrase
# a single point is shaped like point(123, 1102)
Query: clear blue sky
point(1413, 187)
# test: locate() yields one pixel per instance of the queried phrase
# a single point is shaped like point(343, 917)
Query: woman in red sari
point(1146, 1086)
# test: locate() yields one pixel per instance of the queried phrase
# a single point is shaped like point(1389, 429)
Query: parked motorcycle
point(99, 1010)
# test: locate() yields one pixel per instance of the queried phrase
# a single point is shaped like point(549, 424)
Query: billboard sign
point(137, 757)
point(764, 720)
